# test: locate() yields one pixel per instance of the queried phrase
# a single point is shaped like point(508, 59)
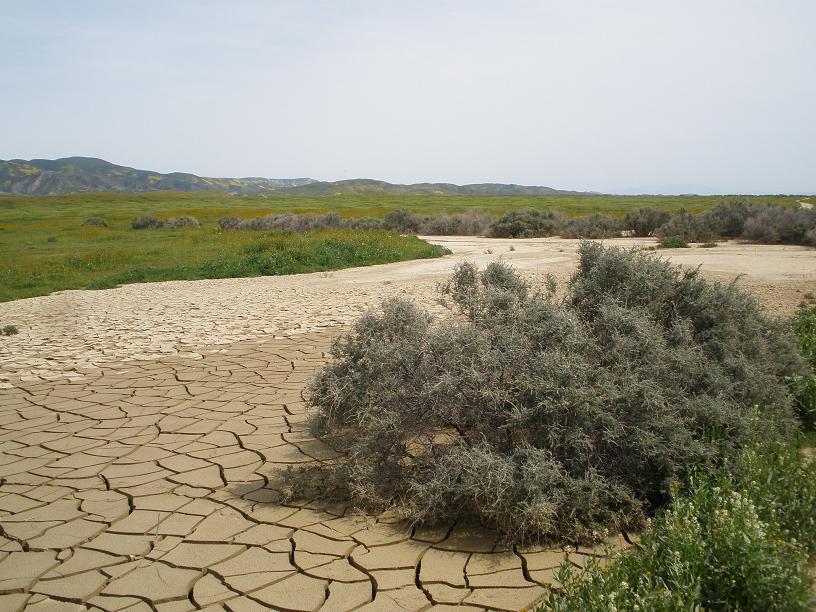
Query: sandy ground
point(64, 334)
point(142, 430)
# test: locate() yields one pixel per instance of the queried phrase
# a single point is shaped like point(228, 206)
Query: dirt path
point(65, 334)
point(805, 203)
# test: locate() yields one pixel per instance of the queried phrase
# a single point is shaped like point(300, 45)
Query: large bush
point(528, 223)
point(592, 227)
point(643, 222)
point(544, 417)
point(688, 227)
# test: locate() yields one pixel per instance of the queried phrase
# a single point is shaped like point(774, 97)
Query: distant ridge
point(85, 174)
point(89, 174)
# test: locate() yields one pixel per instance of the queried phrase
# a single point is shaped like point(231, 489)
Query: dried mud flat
point(140, 429)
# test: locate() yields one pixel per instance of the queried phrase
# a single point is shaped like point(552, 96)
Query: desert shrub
point(471, 223)
point(592, 227)
point(804, 386)
point(644, 221)
point(527, 223)
point(689, 227)
point(675, 242)
point(782, 225)
point(547, 418)
point(51, 239)
point(183, 221)
point(145, 222)
point(10, 330)
point(95, 222)
point(728, 543)
point(727, 219)
point(403, 221)
point(364, 224)
point(230, 222)
point(709, 245)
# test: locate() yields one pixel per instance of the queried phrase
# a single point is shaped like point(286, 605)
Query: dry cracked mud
point(141, 427)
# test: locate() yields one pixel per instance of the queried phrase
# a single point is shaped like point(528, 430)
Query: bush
point(184, 221)
point(471, 223)
point(592, 227)
point(673, 243)
point(403, 221)
point(528, 223)
point(95, 222)
point(727, 544)
point(10, 330)
point(145, 222)
point(727, 219)
point(782, 225)
point(804, 386)
point(709, 245)
point(691, 228)
point(545, 418)
point(643, 222)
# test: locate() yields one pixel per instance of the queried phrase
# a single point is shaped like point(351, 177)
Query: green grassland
point(44, 248)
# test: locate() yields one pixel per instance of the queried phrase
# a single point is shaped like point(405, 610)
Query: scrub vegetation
point(544, 417)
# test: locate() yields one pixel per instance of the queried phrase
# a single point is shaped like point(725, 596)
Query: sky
point(711, 96)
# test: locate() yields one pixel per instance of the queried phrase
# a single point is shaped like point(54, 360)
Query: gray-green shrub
point(592, 227)
point(95, 222)
point(643, 222)
point(548, 418)
point(528, 223)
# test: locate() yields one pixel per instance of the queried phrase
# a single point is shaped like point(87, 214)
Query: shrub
point(10, 330)
point(691, 228)
point(403, 221)
point(528, 223)
point(726, 544)
point(145, 222)
point(230, 222)
point(471, 223)
point(548, 418)
point(51, 239)
point(592, 227)
point(95, 222)
point(673, 243)
point(183, 221)
point(709, 245)
point(782, 225)
point(804, 386)
point(727, 219)
point(643, 222)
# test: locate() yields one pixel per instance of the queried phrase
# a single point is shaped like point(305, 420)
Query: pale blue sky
point(594, 95)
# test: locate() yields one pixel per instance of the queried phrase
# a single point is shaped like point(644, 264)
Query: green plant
point(728, 542)
point(548, 418)
point(676, 242)
point(709, 245)
point(804, 386)
point(94, 222)
point(52, 239)
point(145, 222)
point(10, 330)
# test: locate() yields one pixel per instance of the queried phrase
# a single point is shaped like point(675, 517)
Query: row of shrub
point(544, 417)
point(742, 219)
point(740, 540)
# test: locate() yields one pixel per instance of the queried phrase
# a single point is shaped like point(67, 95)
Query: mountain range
point(88, 174)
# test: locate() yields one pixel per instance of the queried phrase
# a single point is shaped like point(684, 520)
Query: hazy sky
point(713, 94)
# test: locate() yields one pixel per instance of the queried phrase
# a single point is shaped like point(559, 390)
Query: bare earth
point(141, 428)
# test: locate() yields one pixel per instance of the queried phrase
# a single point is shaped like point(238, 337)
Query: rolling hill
point(89, 174)
point(84, 174)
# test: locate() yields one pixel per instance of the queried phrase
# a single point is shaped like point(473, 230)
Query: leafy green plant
point(804, 386)
point(10, 330)
point(729, 542)
point(528, 223)
point(676, 242)
point(546, 418)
